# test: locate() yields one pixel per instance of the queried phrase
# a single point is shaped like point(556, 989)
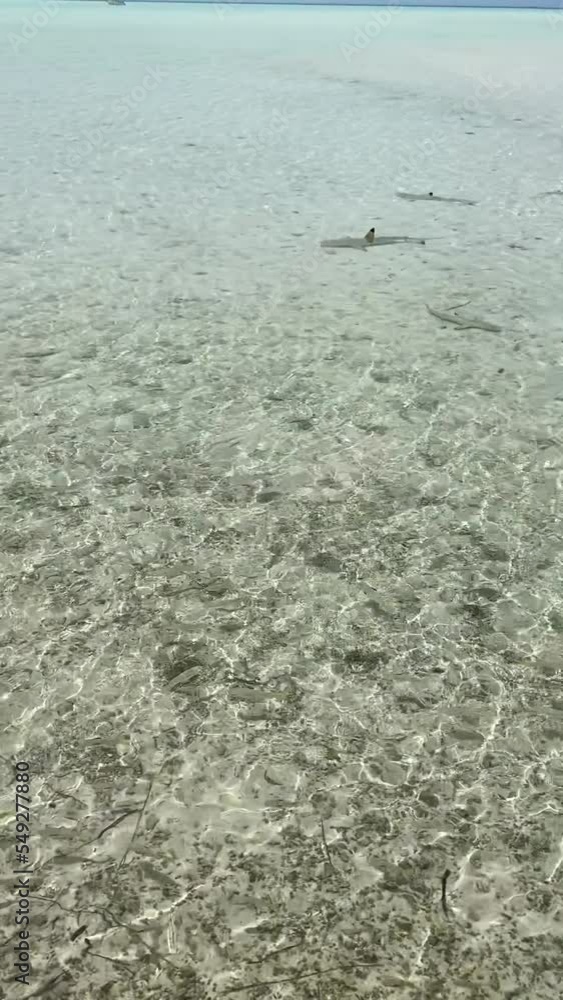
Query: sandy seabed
point(280, 551)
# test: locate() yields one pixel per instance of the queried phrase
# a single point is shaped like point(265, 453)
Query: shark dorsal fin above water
point(352, 242)
point(370, 240)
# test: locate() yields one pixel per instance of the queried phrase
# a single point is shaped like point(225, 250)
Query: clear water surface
point(281, 550)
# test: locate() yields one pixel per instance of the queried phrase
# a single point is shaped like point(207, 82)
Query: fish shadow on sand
point(407, 196)
point(369, 240)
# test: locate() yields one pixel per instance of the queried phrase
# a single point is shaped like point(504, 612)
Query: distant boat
point(116, 3)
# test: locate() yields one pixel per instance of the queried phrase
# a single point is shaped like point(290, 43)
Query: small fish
point(433, 197)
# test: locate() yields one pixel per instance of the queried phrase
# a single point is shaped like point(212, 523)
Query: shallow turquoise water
point(277, 545)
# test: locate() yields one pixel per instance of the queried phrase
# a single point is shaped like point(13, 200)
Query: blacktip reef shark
point(450, 315)
point(433, 197)
point(369, 240)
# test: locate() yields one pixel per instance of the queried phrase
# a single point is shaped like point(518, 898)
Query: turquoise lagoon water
point(282, 628)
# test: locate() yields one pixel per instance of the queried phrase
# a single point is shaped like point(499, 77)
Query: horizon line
point(342, 3)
